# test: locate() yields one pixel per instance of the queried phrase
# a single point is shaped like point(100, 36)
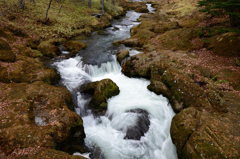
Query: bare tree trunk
point(61, 6)
point(21, 4)
point(102, 7)
point(48, 9)
point(89, 3)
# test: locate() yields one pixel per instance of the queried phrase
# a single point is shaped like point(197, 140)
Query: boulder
point(142, 9)
point(225, 45)
point(38, 115)
point(29, 70)
point(17, 31)
point(196, 137)
point(163, 27)
point(74, 46)
point(122, 54)
point(27, 51)
point(5, 52)
point(6, 35)
point(48, 49)
point(178, 39)
point(101, 91)
point(131, 42)
point(147, 25)
point(137, 131)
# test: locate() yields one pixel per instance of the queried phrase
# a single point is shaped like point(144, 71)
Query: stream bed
point(106, 135)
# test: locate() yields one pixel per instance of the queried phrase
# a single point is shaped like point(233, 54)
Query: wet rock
point(141, 127)
point(131, 42)
point(48, 49)
point(22, 103)
point(74, 46)
point(122, 54)
point(142, 9)
point(5, 52)
point(101, 91)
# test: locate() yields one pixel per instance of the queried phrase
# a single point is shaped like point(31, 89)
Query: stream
point(105, 135)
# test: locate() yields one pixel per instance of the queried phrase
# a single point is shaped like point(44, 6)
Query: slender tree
point(21, 4)
point(89, 3)
point(49, 5)
point(103, 5)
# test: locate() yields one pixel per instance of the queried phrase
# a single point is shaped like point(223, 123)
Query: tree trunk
point(102, 7)
point(48, 9)
point(21, 4)
point(89, 3)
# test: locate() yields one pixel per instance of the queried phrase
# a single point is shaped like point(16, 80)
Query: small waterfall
point(106, 135)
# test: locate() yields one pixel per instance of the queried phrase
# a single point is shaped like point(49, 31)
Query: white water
point(108, 135)
point(107, 132)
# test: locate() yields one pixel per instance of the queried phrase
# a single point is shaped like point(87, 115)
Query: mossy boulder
point(74, 46)
point(147, 25)
point(142, 9)
point(163, 27)
point(143, 35)
point(226, 44)
point(131, 42)
point(178, 39)
point(6, 35)
point(48, 49)
point(155, 17)
point(5, 52)
point(4, 75)
point(29, 70)
point(27, 51)
point(196, 137)
point(17, 31)
point(101, 91)
point(38, 115)
point(122, 54)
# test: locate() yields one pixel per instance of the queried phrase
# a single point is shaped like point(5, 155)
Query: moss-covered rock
point(147, 25)
point(17, 31)
point(8, 36)
point(74, 46)
point(27, 51)
point(163, 27)
point(131, 42)
point(178, 39)
point(29, 70)
point(5, 52)
point(101, 91)
point(122, 54)
point(38, 114)
point(226, 44)
point(48, 49)
point(4, 75)
point(142, 9)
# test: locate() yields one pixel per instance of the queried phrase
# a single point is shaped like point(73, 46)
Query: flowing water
point(105, 135)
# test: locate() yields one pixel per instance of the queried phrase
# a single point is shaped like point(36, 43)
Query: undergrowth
point(73, 19)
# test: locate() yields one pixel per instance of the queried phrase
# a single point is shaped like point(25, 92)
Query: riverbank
point(195, 64)
point(38, 118)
